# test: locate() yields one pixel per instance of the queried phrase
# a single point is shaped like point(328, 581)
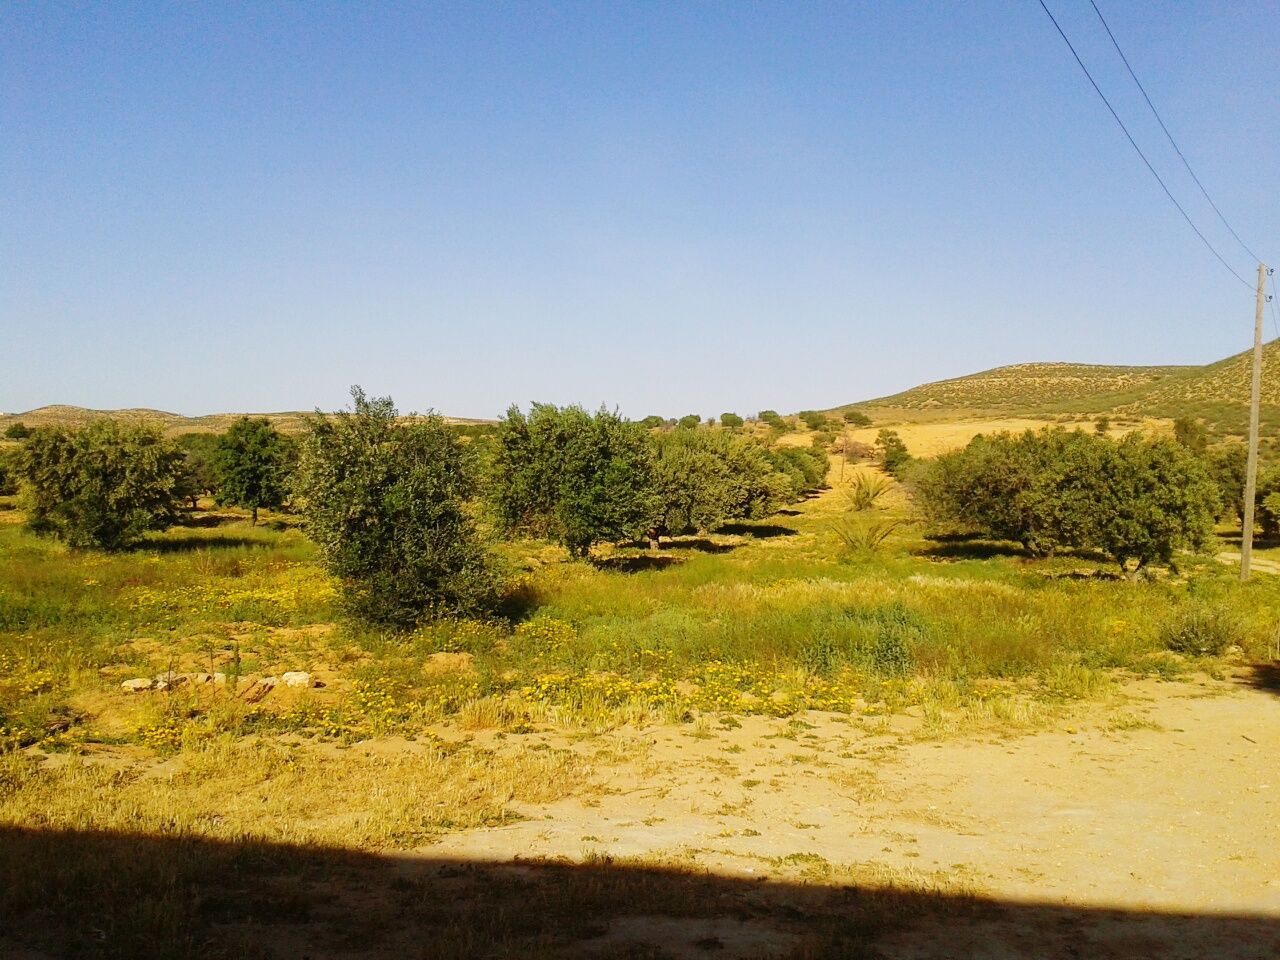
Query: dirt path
point(1165, 801)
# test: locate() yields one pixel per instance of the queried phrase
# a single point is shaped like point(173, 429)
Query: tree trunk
point(253, 518)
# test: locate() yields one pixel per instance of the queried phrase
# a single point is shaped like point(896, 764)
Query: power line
point(1160, 120)
point(1167, 192)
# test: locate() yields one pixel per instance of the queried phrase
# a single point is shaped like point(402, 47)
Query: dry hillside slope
point(1217, 393)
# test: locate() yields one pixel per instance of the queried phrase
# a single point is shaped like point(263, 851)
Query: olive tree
point(704, 479)
point(1136, 500)
point(103, 485)
point(571, 476)
point(385, 501)
point(251, 465)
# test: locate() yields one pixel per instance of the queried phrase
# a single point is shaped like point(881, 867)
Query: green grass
point(774, 618)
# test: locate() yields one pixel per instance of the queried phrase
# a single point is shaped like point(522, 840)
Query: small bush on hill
point(1191, 433)
point(731, 420)
point(814, 420)
point(856, 418)
point(103, 485)
point(385, 502)
point(17, 431)
point(690, 421)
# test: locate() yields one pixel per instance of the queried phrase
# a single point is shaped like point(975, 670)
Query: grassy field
point(393, 740)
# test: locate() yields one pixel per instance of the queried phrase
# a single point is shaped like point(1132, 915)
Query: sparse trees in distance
point(386, 501)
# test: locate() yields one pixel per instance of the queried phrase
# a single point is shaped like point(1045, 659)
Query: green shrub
point(731, 420)
point(865, 490)
point(17, 431)
point(1202, 630)
point(893, 452)
point(814, 420)
point(856, 418)
point(385, 502)
point(690, 421)
point(705, 478)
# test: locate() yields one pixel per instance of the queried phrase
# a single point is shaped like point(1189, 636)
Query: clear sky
point(670, 208)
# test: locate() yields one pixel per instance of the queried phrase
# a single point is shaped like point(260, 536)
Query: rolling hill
point(171, 423)
point(1217, 393)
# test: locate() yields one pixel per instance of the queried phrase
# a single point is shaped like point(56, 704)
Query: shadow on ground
point(1263, 676)
point(635, 564)
point(177, 543)
point(111, 895)
point(762, 531)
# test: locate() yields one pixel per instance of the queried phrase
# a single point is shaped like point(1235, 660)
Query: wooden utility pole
point(1255, 400)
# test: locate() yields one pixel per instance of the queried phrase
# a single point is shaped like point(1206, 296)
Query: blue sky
point(670, 208)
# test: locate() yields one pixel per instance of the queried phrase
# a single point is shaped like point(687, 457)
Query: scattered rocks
point(260, 689)
point(168, 681)
point(137, 685)
point(299, 678)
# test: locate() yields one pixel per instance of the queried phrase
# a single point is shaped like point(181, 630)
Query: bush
point(652, 422)
point(104, 485)
point(17, 431)
point(814, 420)
point(770, 417)
point(731, 420)
point(385, 501)
point(856, 418)
point(805, 467)
point(1202, 630)
point(893, 452)
point(690, 421)
point(866, 489)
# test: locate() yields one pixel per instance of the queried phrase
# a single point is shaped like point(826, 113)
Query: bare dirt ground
point(1163, 802)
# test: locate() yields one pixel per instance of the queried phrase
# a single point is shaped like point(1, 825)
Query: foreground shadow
point(115, 895)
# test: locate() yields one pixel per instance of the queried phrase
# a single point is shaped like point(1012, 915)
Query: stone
point(296, 678)
point(137, 685)
point(260, 689)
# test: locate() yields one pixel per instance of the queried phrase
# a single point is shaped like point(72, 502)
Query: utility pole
point(1255, 400)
